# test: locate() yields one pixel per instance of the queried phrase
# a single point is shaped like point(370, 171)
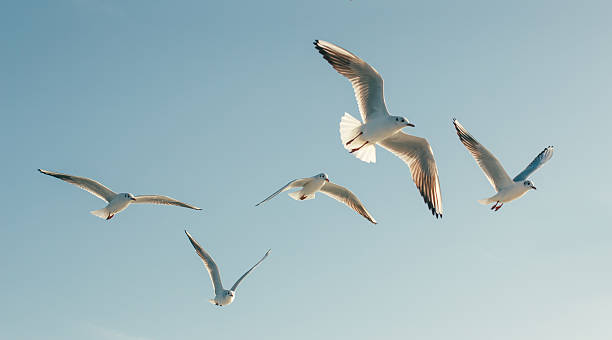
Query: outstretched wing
point(248, 271)
point(344, 195)
point(84, 183)
point(417, 154)
point(209, 263)
point(367, 83)
point(497, 176)
point(293, 184)
point(157, 199)
point(537, 163)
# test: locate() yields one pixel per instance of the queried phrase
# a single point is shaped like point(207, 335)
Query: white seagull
point(507, 189)
point(222, 296)
point(116, 202)
point(320, 183)
point(381, 128)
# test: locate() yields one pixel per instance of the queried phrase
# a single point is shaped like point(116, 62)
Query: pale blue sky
point(220, 103)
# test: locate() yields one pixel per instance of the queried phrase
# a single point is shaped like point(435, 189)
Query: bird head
point(529, 184)
point(322, 176)
point(402, 121)
point(129, 196)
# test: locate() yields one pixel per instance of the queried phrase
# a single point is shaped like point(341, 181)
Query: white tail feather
point(101, 213)
point(486, 201)
point(350, 127)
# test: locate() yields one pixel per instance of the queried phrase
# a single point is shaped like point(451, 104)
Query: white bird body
point(507, 189)
point(116, 202)
point(378, 127)
point(507, 194)
point(310, 189)
point(223, 296)
point(320, 183)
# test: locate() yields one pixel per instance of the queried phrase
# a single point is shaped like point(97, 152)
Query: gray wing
point(492, 168)
point(209, 263)
point(157, 199)
point(293, 184)
point(367, 83)
point(344, 195)
point(248, 271)
point(84, 183)
point(540, 159)
point(417, 154)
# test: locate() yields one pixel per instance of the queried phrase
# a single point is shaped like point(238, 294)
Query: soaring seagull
point(507, 189)
point(116, 202)
point(379, 127)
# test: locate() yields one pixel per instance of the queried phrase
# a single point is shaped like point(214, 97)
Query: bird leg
point(499, 206)
point(110, 216)
point(494, 205)
point(349, 142)
point(303, 197)
point(362, 145)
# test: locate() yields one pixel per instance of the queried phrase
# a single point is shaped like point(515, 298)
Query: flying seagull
point(320, 183)
point(507, 189)
point(116, 202)
point(222, 296)
point(379, 127)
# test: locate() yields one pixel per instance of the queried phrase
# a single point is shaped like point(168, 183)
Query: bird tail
point(350, 127)
point(212, 301)
point(297, 195)
point(101, 213)
point(487, 200)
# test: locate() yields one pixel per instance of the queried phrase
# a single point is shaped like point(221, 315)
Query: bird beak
point(410, 124)
point(327, 179)
point(534, 188)
point(132, 198)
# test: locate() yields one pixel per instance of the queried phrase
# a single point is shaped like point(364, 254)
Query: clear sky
point(219, 103)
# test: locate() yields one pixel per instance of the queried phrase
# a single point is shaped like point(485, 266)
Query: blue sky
point(220, 103)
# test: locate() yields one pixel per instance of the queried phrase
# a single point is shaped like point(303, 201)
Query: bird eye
point(402, 119)
point(396, 119)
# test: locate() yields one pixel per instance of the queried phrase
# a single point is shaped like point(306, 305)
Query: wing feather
point(248, 271)
point(490, 165)
point(537, 163)
point(293, 184)
point(157, 199)
point(344, 195)
point(367, 82)
point(209, 263)
point(89, 185)
point(417, 154)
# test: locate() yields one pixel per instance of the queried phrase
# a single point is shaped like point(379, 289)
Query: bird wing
point(209, 263)
point(157, 199)
point(293, 184)
point(540, 159)
point(417, 154)
point(86, 184)
point(344, 195)
point(367, 82)
point(248, 271)
point(498, 177)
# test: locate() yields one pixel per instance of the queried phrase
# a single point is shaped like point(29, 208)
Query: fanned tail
point(486, 201)
point(350, 128)
point(101, 213)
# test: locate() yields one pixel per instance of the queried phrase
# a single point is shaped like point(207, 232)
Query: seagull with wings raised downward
point(320, 183)
point(507, 189)
point(116, 202)
point(379, 127)
point(222, 296)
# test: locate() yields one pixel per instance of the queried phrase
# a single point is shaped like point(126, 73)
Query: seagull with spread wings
point(116, 202)
point(222, 296)
point(320, 183)
point(507, 189)
point(379, 127)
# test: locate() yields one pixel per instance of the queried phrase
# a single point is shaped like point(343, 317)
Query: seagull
point(320, 183)
point(379, 127)
point(116, 202)
point(222, 296)
point(507, 189)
